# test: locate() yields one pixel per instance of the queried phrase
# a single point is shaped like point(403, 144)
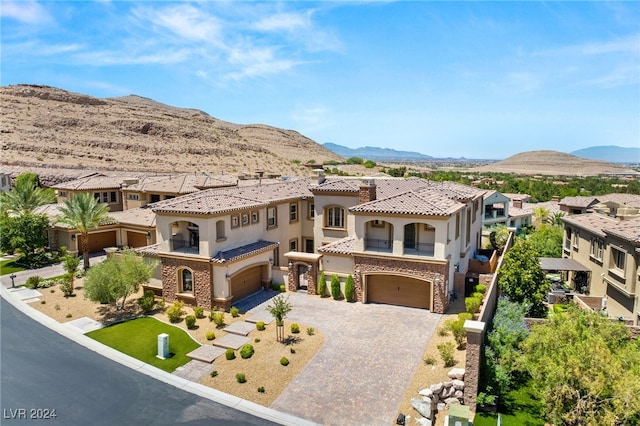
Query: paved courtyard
point(361, 373)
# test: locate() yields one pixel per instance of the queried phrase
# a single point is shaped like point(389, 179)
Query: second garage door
point(402, 291)
point(136, 239)
point(100, 240)
point(246, 283)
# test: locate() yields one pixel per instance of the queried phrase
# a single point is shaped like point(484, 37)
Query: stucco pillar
point(475, 335)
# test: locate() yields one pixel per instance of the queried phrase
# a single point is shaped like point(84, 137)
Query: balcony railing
point(182, 246)
point(420, 249)
point(375, 244)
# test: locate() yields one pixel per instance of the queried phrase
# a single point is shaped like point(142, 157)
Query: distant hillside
point(553, 163)
point(374, 153)
point(47, 127)
point(612, 154)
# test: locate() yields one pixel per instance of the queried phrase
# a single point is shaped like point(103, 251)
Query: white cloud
point(629, 44)
point(624, 75)
point(284, 22)
point(184, 21)
point(28, 12)
point(108, 58)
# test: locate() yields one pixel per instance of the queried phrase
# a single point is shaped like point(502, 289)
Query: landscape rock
point(422, 407)
point(437, 388)
point(426, 392)
point(458, 384)
point(456, 373)
point(459, 394)
point(424, 422)
point(441, 407)
point(450, 401)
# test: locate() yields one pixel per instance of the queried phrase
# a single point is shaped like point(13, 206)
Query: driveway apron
point(361, 373)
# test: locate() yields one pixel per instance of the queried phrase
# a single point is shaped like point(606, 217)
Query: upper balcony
point(379, 245)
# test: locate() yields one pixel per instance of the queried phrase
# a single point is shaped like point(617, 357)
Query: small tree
point(280, 308)
point(70, 264)
point(349, 289)
point(335, 287)
point(322, 285)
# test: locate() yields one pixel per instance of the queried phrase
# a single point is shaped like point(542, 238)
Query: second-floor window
point(596, 248)
point(567, 241)
point(335, 217)
point(293, 212)
point(617, 260)
point(155, 198)
point(133, 197)
point(576, 238)
point(60, 193)
point(272, 217)
point(312, 211)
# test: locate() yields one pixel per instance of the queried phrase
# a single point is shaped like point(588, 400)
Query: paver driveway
point(362, 371)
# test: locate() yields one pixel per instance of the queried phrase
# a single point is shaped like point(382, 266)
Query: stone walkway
point(363, 369)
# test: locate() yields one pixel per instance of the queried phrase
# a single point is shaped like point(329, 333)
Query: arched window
point(334, 217)
point(186, 281)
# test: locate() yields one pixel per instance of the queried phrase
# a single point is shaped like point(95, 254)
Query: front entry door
point(303, 277)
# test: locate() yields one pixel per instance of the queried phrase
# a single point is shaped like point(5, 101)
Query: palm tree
point(24, 197)
point(555, 219)
point(540, 216)
point(85, 214)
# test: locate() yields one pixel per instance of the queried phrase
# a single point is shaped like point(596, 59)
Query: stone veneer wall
point(366, 194)
point(292, 281)
point(421, 270)
point(202, 282)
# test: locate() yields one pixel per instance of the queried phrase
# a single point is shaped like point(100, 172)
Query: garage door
point(100, 240)
point(402, 291)
point(136, 239)
point(246, 283)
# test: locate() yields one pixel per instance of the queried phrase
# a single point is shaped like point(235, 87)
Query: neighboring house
point(577, 205)
point(106, 189)
point(5, 181)
point(609, 245)
point(495, 209)
point(402, 240)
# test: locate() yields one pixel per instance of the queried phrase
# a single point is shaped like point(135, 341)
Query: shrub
point(217, 318)
point(147, 301)
point(34, 282)
point(429, 360)
point(190, 320)
point(261, 389)
point(478, 295)
point(198, 311)
point(481, 288)
point(283, 288)
point(246, 351)
point(369, 164)
point(57, 307)
point(295, 328)
point(472, 304)
point(485, 400)
point(260, 326)
point(241, 378)
point(235, 312)
point(349, 289)
point(69, 315)
point(256, 340)
point(211, 335)
point(175, 312)
point(67, 288)
point(275, 286)
point(459, 332)
point(293, 351)
point(443, 331)
point(465, 316)
point(446, 353)
point(230, 354)
point(43, 302)
point(335, 287)
point(311, 331)
point(322, 285)
point(284, 361)
point(214, 373)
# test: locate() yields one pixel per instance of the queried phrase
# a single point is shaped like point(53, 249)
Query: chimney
point(517, 203)
point(367, 190)
point(319, 175)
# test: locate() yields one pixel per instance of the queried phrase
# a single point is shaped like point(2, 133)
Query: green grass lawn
point(139, 338)
point(520, 409)
point(9, 266)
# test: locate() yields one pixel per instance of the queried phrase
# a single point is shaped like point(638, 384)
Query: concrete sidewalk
point(49, 271)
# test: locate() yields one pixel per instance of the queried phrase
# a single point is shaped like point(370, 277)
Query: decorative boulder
point(437, 388)
point(426, 392)
point(441, 407)
point(424, 422)
point(422, 407)
point(459, 394)
point(456, 373)
point(458, 384)
point(450, 401)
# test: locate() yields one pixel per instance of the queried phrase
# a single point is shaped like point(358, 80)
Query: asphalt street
point(42, 371)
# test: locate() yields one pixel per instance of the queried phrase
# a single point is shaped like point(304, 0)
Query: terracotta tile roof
point(420, 202)
point(592, 222)
point(343, 246)
point(582, 202)
point(52, 211)
point(527, 208)
point(138, 216)
point(628, 230)
point(222, 200)
point(151, 250)
point(632, 200)
point(181, 184)
point(91, 183)
point(517, 197)
point(244, 251)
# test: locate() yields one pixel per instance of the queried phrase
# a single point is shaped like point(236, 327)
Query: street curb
point(158, 374)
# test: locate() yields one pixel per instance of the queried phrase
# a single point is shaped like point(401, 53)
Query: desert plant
point(443, 331)
point(34, 282)
point(235, 312)
point(465, 316)
point(349, 289)
point(190, 320)
point(246, 351)
point(147, 301)
point(335, 287)
point(214, 373)
point(230, 354)
point(241, 378)
point(280, 308)
point(283, 288)
point(293, 351)
point(284, 361)
point(175, 312)
point(295, 328)
point(198, 311)
point(67, 287)
point(429, 360)
point(211, 335)
point(217, 318)
point(322, 285)
point(478, 295)
point(69, 315)
point(57, 307)
point(256, 340)
point(311, 331)
point(446, 353)
point(261, 389)
point(472, 304)
point(260, 326)
point(43, 302)
point(459, 332)
point(480, 288)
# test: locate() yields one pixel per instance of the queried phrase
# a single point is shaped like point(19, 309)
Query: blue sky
point(447, 79)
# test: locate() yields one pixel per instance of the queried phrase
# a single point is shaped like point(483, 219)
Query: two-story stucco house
point(403, 240)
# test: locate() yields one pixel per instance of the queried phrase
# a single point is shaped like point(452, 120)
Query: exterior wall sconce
point(271, 260)
point(227, 275)
point(73, 237)
point(290, 264)
point(148, 234)
point(310, 266)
